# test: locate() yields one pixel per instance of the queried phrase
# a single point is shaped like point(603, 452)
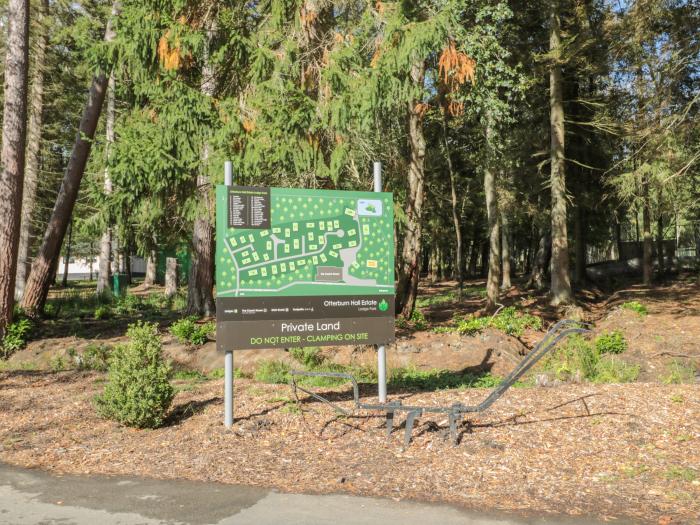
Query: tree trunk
point(31, 171)
point(39, 279)
point(200, 286)
point(14, 131)
point(494, 232)
point(127, 264)
point(618, 238)
point(106, 240)
point(660, 245)
point(170, 276)
point(647, 271)
point(66, 260)
point(560, 283)
point(409, 270)
point(580, 245)
point(455, 213)
point(539, 266)
point(150, 278)
point(505, 253)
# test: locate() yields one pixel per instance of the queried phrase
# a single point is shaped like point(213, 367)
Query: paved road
point(30, 497)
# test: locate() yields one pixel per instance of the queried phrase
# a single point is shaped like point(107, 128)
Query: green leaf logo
point(383, 306)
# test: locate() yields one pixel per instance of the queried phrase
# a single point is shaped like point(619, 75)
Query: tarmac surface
point(36, 497)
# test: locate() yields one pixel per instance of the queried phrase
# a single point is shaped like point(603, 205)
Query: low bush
point(416, 322)
point(188, 331)
point(611, 342)
point(610, 369)
point(16, 335)
point(94, 357)
point(309, 356)
point(509, 320)
point(635, 306)
point(103, 311)
point(138, 392)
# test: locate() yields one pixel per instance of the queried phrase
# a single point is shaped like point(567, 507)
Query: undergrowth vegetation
point(579, 359)
point(189, 331)
point(635, 306)
point(509, 320)
point(15, 338)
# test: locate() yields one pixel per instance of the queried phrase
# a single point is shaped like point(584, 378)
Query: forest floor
point(620, 452)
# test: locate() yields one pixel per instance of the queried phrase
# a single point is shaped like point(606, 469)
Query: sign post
point(228, 356)
point(299, 268)
point(381, 349)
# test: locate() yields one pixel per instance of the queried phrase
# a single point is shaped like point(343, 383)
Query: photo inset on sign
point(369, 207)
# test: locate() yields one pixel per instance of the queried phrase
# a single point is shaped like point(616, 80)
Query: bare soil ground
point(612, 451)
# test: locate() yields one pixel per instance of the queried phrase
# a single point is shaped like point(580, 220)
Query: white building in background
point(79, 267)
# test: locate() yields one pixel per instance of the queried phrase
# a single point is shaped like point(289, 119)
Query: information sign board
point(298, 267)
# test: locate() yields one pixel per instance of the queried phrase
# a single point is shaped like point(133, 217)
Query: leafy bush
point(15, 337)
point(272, 372)
point(309, 356)
point(611, 343)
point(138, 393)
point(187, 330)
point(509, 320)
point(128, 304)
point(636, 306)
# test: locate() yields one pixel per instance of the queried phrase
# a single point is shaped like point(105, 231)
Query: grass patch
point(417, 321)
point(635, 306)
point(273, 372)
point(412, 378)
point(580, 359)
point(681, 474)
point(678, 372)
point(188, 375)
point(509, 320)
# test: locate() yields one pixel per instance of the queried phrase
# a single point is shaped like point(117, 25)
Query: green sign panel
point(298, 267)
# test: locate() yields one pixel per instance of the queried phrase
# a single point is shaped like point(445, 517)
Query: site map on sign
point(297, 242)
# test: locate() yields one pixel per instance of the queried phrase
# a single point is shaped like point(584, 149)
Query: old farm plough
point(456, 411)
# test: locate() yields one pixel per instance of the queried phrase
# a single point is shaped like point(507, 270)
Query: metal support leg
point(410, 419)
point(381, 372)
point(228, 389)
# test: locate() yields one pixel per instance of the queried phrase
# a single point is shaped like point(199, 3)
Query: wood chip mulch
point(616, 452)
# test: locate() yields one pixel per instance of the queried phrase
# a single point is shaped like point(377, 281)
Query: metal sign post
point(228, 355)
point(381, 350)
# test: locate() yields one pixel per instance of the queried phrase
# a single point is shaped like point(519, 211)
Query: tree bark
point(200, 286)
point(31, 170)
point(170, 277)
point(660, 245)
point(39, 279)
point(150, 278)
point(494, 231)
point(106, 240)
point(560, 283)
point(647, 269)
point(580, 245)
point(409, 270)
point(14, 132)
point(66, 260)
point(539, 266)
point(455, 212)
point(505, 253)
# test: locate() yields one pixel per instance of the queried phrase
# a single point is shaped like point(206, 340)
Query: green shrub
point(16, 335)
point(636, 306)
point(103, 311)
point(309, 356)
point(611, 343)
point(411, 377)
point(187, 330)
point(128, 304)
point(679, 373)
point(509, 320)
point(272, 372)
point(138, 393)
